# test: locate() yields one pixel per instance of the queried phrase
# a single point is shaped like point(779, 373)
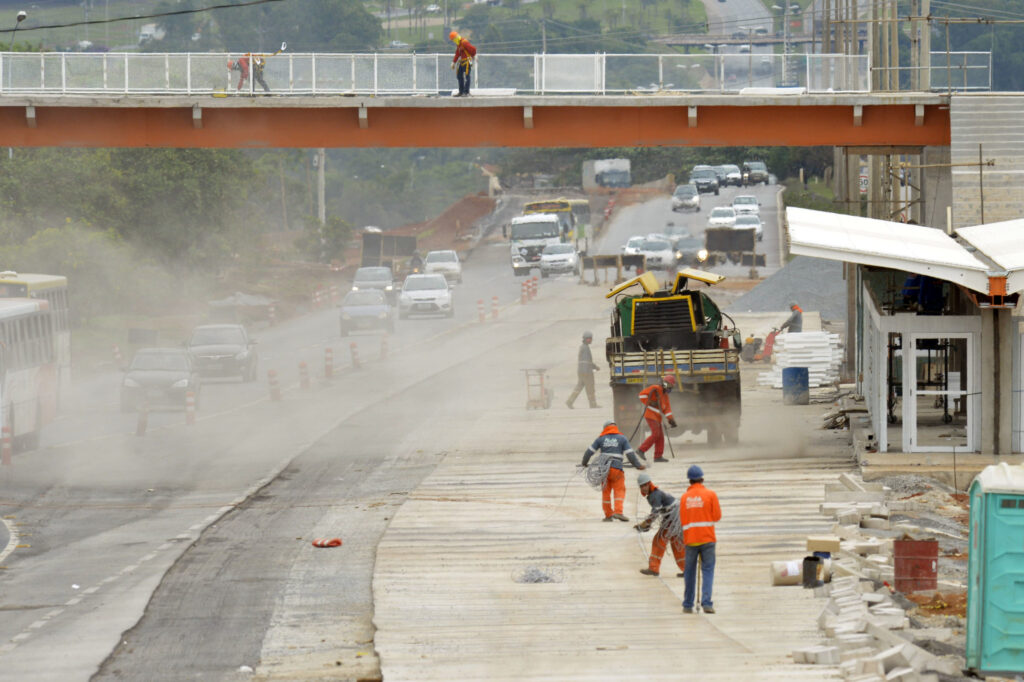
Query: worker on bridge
point(656, 407)
point(585, 369)
point(661, 505)
point(698, 512)
point(612, 446)
point(462, 62)
point(795, 322)
point(242, 66)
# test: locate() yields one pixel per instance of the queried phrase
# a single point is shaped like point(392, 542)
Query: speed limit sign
point(863, 184)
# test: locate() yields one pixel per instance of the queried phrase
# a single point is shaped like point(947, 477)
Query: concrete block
point(879, 559)
point(938, 634)
point(841, 494)
point(880, 510)
point(872, 598)
point(893, 657)
point(847, 532)
point(850, 482)
point(826, 655)
point(854, 654)
point(902, 674)
point(823, 543)
point(875, 523)
point(870, 666)
point(849, 516)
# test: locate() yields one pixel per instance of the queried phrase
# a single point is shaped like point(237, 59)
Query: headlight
point(679, 255)
point(702, 255)
point(131, 383)
point(355, 288)
point(388, 287)
point(181, 383)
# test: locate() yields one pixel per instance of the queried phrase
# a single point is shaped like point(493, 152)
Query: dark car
point(159, 377)
point(375, 277)
point(688, 248)
point(704, 179)
point(223, 350)
point(754, 172)
point(686, 197)
point(367, 309)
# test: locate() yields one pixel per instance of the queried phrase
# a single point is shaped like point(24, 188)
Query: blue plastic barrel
point(795, 386)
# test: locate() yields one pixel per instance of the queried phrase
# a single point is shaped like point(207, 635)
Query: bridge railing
point(111, 73)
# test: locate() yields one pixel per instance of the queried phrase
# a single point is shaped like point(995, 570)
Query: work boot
point(687, 609)
point(620, 517)
point(680, 575)
point(608, 518)
point(660, 459)
point(568, 404)
point(647, 571)
point(708, 609)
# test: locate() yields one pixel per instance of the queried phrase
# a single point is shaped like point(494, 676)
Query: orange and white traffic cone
point(7, 447)
point(328, 362)
point(524, 293)
point(480, 310)
point(533, 287)
point(303, 376)
point(275, 388)
point(354, 350)
point(272, 314)
point(190, 408)
point(494, 307)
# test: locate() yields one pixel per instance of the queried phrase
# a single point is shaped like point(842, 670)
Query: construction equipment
point(765, 353)
point(538, 395)
point(680, 332)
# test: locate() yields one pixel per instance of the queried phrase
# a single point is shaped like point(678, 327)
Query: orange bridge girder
point(508, 121)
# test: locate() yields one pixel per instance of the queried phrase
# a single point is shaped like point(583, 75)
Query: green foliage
point(324, 243)
point(306, 25)
point(797, 195)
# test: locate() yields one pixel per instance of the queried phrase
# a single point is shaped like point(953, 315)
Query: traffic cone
point(190, 408)
point(480, 310)
point(328, 362)
point(354, 350)
point(524, 293)
point(275, 388)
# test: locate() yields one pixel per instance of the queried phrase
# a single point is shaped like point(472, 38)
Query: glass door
point(940, 411)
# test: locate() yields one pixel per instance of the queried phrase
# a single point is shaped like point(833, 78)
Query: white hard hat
point(643, 478)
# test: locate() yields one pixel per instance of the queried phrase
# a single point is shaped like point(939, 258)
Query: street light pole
point(22, 15)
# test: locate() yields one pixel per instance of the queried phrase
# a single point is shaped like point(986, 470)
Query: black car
point(366, 309)
point(705, 179)
point(223, 350)
point(159, 377)
point(689, 249)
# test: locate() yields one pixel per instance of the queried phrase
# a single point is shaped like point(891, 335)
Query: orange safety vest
point(657, 403)
point(698, 512)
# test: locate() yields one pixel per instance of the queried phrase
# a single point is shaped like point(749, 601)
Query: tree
point(306, 25)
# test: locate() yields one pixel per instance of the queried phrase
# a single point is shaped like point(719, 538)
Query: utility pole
point(543, 36)
point(321, 186)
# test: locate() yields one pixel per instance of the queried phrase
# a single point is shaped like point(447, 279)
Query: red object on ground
point(327, 542)
point(915, 564)
point(766, 350)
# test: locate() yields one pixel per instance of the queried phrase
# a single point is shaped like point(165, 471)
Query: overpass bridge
point(377, 100)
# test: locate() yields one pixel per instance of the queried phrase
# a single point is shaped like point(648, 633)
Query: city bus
point(54, 290)
point(558, 207)
point(28, 369)
point(581, 216)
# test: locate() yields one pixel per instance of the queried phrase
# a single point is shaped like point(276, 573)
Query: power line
point(155, 15)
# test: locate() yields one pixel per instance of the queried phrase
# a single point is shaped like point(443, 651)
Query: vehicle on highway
point(425, 295)
point(754, 172)
point(559, 258)
point(374, 277)
point(746, 204)
point(54, 290)
point(559, 207)
point(368, 309)
point(704, 179)
point(722, 216)
point(733, 175)
point(528, 235)
point(159, 378)
point(686, 197)
point(689, 250)
point(658, 253)
point(581, 217)
point(720, 174)
point(28, 369)
point(632, 246)
point(445, 263)
point(223, 350)
point(749, 221)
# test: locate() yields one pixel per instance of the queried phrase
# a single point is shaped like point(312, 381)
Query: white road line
point(21, 636)
point(53, 614)
point(147, 557)
point(91, 590)
point(12, 540)
point(72, 601)
point(36, 625)
point(164, 546)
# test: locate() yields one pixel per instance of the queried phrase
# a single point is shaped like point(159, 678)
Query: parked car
point(750, 221)
point(367, 309)
point(374, 277)
point(689, 250)
point(557, 258)
point(659, 254)
point(632, 246)
point(686, 197)
point(425, 295)
point(704, 178)
point(159, 378)
point(733, 175)
point(444, 263)
point(746, 204)
point(722, 216)
point(754, 172)
point(223, 350)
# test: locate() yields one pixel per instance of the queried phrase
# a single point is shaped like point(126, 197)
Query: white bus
point(54, 290)
point(28, 369)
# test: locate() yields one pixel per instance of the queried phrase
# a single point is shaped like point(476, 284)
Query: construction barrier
point(190, 408)
point(524, 293)
point(327, 542)
point(480, 310)
point(7, 447)
point(384, 347)
point(303, 376)
point(534, 283)
point(328, 362)
point(354, 350)
point(142, 423)
point(275, 388)
point(494, 307)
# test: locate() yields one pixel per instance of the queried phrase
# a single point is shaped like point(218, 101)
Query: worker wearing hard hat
point(656, 407)
point(661, 504)
point(585, 369)
point(613, 445)
point(462, 62)
point(795, 322)
point(698, 513)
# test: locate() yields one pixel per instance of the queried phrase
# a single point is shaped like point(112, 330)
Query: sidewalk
point(505, 502)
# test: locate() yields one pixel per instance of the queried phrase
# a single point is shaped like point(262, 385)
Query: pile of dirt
point(941, 603)
point(814, 283)
point(451, 229)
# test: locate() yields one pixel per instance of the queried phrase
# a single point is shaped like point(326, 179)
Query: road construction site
point(471, 547)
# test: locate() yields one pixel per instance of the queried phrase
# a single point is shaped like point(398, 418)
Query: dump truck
point(606, 173)
point(676, 330)
point(391, 251)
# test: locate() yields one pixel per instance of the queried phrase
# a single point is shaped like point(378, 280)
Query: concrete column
point(937, 186)
point(1003, 350)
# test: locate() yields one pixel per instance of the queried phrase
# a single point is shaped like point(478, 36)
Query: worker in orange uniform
point(462, 62)
point(656, 407)
point(698, 513)
point(613, 445)
point(242, 66)
point(661, 505)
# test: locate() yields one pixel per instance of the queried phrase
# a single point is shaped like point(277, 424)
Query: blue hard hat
point(694, 472)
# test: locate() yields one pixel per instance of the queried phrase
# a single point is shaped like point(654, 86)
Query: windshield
point(654, 245)
point(731, 169)
point(424, 283)
point(540, 230)
point(442, 257)
point(745, 200)
point(722, 212)
point(559, 248)
point(635, 242)
point(756, 165)
point(368, 297)
point(685, 191)
point(216, 336)
point(704, 174)
point(169, 361)
point(373, 274)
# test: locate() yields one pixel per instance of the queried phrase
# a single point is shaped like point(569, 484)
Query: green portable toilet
point(995, 571)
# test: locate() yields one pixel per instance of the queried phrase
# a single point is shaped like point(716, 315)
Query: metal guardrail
point(129, 73)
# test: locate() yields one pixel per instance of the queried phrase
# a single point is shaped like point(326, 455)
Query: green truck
point(679, 331)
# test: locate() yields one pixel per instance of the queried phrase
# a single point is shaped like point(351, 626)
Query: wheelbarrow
point(538, 395)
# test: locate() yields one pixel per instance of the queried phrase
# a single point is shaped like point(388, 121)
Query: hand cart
point(538, 395)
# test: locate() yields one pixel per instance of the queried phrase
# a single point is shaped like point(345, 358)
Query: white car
point(632, 247)
point(425, 295)
point(746, 204)
point(733, 175)
point(659, 254)
point(444, 263)
point(557, 258)
point(722, 216)
point(748, 222)
point(686, 197)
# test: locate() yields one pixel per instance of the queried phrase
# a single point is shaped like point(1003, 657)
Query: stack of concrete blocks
point(860, 618)
point(820, 352)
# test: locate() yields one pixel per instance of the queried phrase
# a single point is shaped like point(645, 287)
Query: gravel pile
point(536, 575)
point(814, 283)
point(909, 484)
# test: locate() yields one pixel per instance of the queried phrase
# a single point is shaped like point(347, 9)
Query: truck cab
point(528, 235)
